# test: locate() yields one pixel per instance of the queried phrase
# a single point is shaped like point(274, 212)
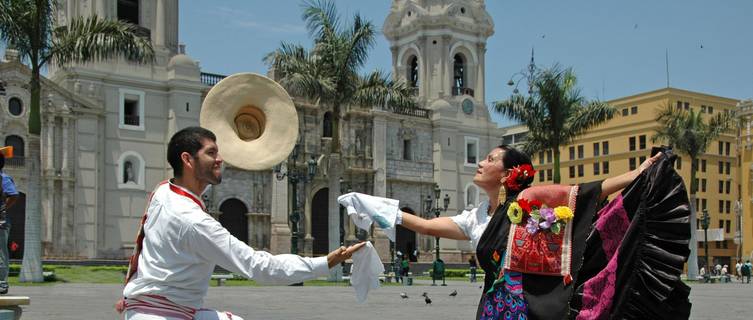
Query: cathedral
point(106, 127)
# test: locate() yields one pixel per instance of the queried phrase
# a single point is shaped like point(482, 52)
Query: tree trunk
point(556, 168)
point(693, 258)
point(31, 269)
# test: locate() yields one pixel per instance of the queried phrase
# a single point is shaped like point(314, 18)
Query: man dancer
point(179, 244)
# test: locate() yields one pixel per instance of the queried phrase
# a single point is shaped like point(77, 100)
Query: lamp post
point(705, 226)
point(529, 75)
point(295, 175)
point(432, 206)
point(344, 188)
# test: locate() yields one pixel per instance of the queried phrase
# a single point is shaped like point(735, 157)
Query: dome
point(181, 60)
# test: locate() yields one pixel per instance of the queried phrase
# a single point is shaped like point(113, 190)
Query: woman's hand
point(341, 254)
point(646, 164)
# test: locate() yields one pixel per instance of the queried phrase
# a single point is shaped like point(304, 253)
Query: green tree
point(554, 112)
point(328, 73)
point(688, 133)
point(29, 27)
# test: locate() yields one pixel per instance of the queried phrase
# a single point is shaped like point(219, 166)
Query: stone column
point(280, 229)
point(159, 25)
point(50, 143)
point(64, 159)
point(101, 10)
point(481, 52)
point(381, 242)
point(308, 239)
point(447, 62)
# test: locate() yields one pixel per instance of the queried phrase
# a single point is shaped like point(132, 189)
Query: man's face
point(208, 163)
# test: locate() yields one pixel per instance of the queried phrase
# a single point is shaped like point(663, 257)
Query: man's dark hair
point(186, 140)
point(2, 161)
point(513, 158)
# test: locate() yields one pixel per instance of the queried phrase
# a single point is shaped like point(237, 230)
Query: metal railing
point(16, 161)
point(459, 91)
point(413, 112)
point(211, 79)
point(131, 120)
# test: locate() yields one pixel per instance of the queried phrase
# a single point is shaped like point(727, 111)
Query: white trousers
point(200, 315)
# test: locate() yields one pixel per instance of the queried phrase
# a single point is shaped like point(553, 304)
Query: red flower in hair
point(13, 246)
point(519, 175)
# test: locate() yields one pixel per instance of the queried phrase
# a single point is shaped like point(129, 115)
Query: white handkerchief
point(364, 274)
point(364, 209)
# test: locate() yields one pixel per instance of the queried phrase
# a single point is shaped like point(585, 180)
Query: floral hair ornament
point(519, 175)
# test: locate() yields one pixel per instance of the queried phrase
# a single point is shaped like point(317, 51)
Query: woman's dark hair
point(2, 161)
point(186, 140)
point(513, 158)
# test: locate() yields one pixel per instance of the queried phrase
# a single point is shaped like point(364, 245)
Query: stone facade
point(122, 115)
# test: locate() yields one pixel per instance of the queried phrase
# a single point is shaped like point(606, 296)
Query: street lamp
point(295, 175)
point(528, 74)
point(705, 226)
point(343, 190)
point(432, 206)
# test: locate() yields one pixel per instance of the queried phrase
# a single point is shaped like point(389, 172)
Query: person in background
point(472, 264)
point(8, 197)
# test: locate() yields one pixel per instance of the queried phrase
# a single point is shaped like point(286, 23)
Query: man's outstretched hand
point(341, 254)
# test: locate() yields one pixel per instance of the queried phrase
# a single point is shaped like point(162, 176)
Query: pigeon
point(427, 300)
point(453, 293)
point(403, 295)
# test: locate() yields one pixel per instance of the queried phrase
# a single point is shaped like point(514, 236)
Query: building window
point(580, 170)
point(729, 206)
point(703, 165)
point(605, 167)
point(130, 173)
point(572, 171)
point(726, 148)
point(727, 168)
point(413, 72)
point(132, 109)
point(19, 148)
point(128, 10)
point(721, 167)
point(631, 162)
point(641, 159)
point(549, 156)
point(327, 125)
point(596, 149)
point(721, 148)
point(642, 142)
point(605, 147)
point(727, 226)
point(596, 168)
point(703, 185)
point(703, 108)
point(580, 152)
point(687, 105)
point(631, 143)
point(549, 175)
point(721, 206)
point(572, 153)
point(458, 75)
point(541, 157)
point(703, 204)
point(15, 106)
point(634, 110)
point(721, 186)
point(624, 112)
point(728, 185)
point(471, 151)
point(407, 150)
point(711, 110)
point(542, 176)
point(679, 104)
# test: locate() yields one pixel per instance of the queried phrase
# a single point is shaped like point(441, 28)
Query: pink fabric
point(599, 290)
point(551, 195)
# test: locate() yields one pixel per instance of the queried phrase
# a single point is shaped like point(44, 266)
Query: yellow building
point(745, 176)
point(624, 142)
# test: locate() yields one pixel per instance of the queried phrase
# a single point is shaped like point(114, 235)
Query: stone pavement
point(95, 301)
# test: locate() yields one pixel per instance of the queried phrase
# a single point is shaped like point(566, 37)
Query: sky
point(616, 48)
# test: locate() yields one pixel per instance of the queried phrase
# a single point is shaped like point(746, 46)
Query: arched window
point(18, 145)
point(15, 106)
point(413, 72)
point(131, 167)
point(327, 125)
point(458, 80)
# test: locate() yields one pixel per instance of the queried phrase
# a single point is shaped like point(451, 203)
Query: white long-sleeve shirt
point(182, 245)
point(473, 222)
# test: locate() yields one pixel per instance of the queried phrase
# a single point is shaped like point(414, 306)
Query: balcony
point(413, 112)
point(211, 79)
point(16, 161)
point(459, 91)
point(131, 120)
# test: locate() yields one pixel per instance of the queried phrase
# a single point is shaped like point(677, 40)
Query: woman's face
point(491, 171)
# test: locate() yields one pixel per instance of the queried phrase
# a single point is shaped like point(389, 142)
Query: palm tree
point(328, 73)
point(687, 132)
point(554, 112)
point(29, 27)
